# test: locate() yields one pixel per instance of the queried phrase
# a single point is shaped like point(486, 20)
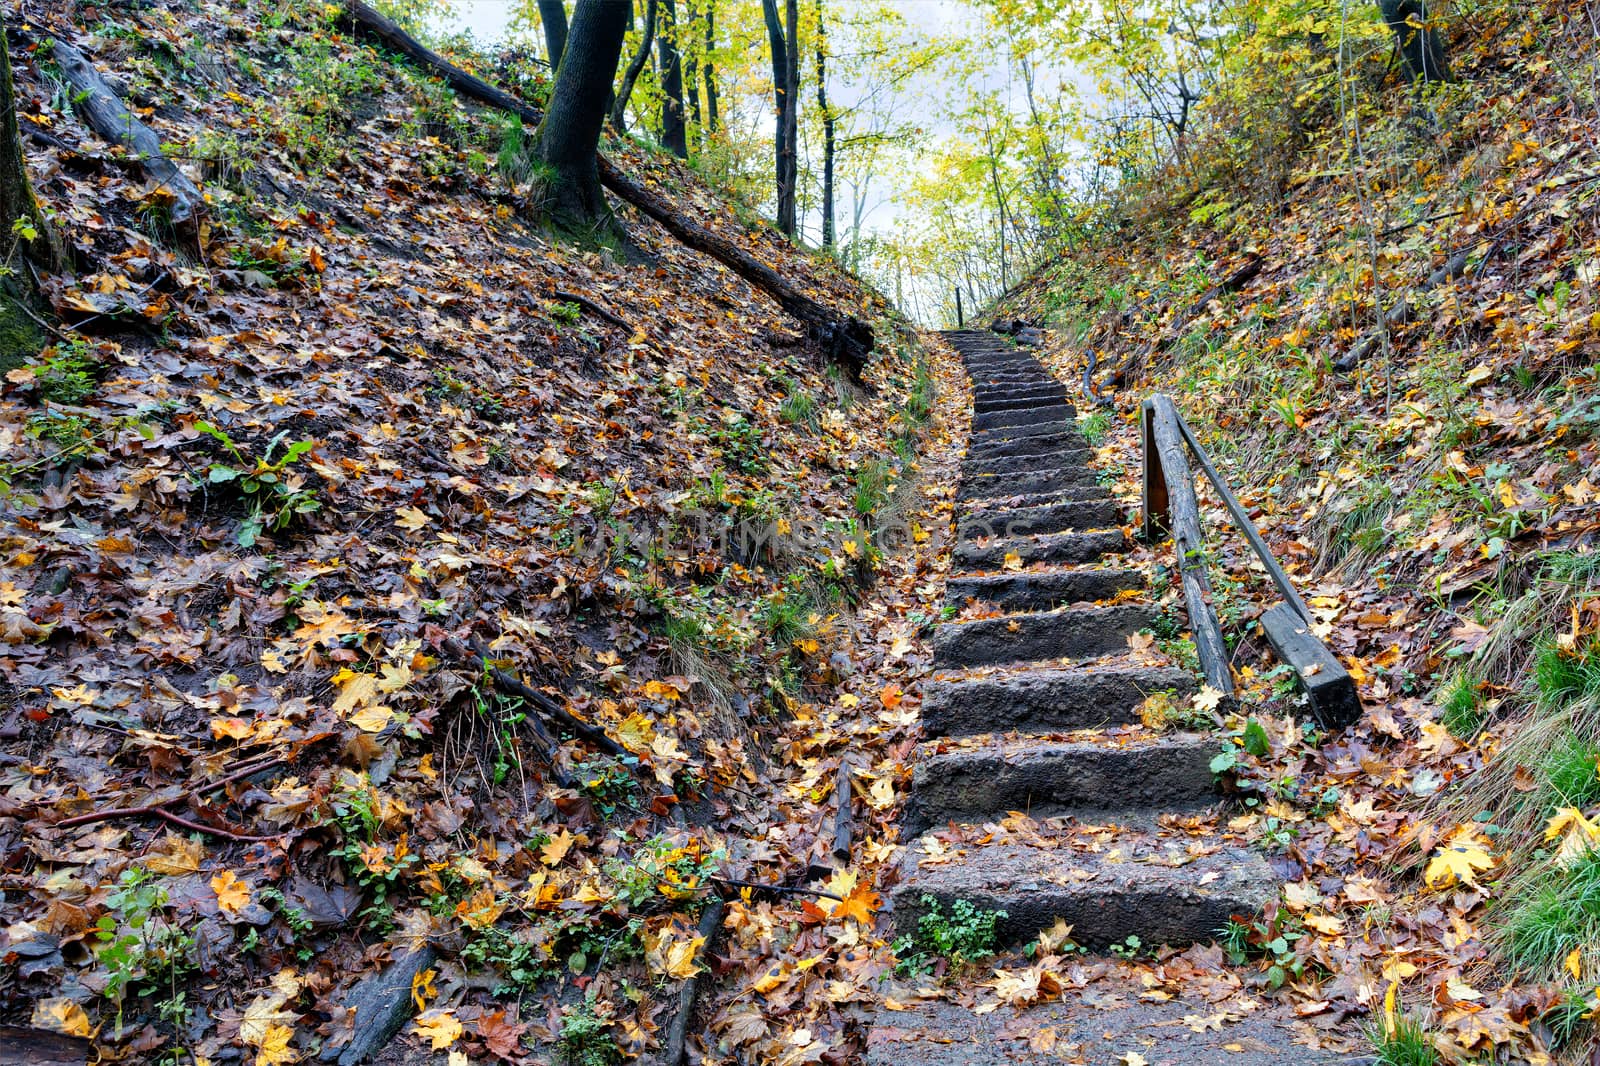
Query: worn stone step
point(1069, 439)
point(983, 438)
point(1069, 494)
point(984, 776)
point(1041, 590)
point(1048, 518)
point(1043, 701)
point(1024, 464)
point(979, 486)
point(1021, 400)
point(1027, 416)
point(1076, 633)
point(1101, 1028)
point(1014, 383)
point(1155, 888)
point(1042, 548)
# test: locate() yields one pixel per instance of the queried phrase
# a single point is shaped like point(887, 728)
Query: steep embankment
point(1432, 485)
point(265, 493)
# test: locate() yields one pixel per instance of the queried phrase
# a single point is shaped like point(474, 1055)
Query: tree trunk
point(709, 69)
point(1420, 49)
point(781, 101)
point(674, 137)
point(568, 140)
point(619, 116)
point(553, 14)
point(20, 338)
point(791, 173)
point(827, 132)
point(691, 77)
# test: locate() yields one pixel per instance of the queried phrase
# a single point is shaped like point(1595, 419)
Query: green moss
point(20, 336)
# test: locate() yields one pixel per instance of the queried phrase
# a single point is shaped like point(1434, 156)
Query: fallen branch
point(159, 811)
point(106, 115)
point(1402, 311)
point(777, 890)
point(548, 707)
point(678, 1035)
point(599, 310)
point(843, 339)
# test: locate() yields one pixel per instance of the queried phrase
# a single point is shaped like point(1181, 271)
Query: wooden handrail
point(1170, 505)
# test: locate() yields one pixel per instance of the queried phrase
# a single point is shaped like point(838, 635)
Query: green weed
point(1095, 427)
point(1565, 675)
point(64, 373)
point(275, 494)
point(1570, 774)
point(1404, 1043)
point(966, 934)
point(1559, 912)
point(585, 1038)
point(1460, 709)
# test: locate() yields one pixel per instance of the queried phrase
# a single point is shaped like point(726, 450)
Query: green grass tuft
point(1559, 912)
point(1460, 709)
point(1407, 1044)
point(1567, 674)
point(1570, 774)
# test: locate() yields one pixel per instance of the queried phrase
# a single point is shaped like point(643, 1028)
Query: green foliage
point(565, 313)
point(1129, 948)
point(1272, 942)
point(740, 443)
point(585, 1038)
point(661, 872)
point(1095, 427)
point(966, 934)
point(141, 950)
point(799, 407)
point(874, 480)
point(607, 782)
point(275, 494)
point(1572, 1016)
point(65, 372)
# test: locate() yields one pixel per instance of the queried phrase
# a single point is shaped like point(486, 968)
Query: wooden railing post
point(1183, 513)
point(961, 321)
point(1154, 505)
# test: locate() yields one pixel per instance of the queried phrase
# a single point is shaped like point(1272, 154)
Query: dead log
point(842, 339)
point(107, 116)
point(36, 1047)
point(678, 1035)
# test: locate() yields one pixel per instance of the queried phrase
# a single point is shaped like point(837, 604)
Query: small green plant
point(141, 950)
point(1095, 427)
point(1572, 1015)
point(377, 867)
point(966, 934)
point(1128, 949)
point(564, 313)
point(585, 1038)
point(1401, 1041)
point(1270, 940)
point(663, 872)
point(275, 494)
point(874, 479)
point(607, 782)
point(1460, 709)
point(65, 372)
point(798, 407)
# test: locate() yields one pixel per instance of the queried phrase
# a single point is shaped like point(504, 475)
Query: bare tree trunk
point(553, 14)
point(619, 109)
point(673, 135)
point(1417, 41)
point(708, 67)
point(691, 75)
point(783, 102)
point(568, 140)
point(828, 146)
point(20, 338)
point(786, 212)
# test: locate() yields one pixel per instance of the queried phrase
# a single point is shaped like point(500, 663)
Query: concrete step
point(1042, 548)
point(1044, 701)
point(992, 486)
point(1154, 887)
point(1041, 590)
point(1073, 633)
point(1049, 518)
point(980, 777)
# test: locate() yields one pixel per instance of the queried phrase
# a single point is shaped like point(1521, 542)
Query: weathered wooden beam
point(1183, 510)
point(1327, 683)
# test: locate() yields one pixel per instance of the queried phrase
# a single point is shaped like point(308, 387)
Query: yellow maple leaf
point(1461, 858)
point(234, 728)
point(233, 895)
point(860, 903)
point(1012, 561)
point(672, 951)
point(556, 850)
point(1578, 835)
point(274, 1049)
point(438, 1027)
point(411, 518)
point(1207, 699)
point(59, 1014)
point(480, 910)
point(422, 989)
point(372, 719)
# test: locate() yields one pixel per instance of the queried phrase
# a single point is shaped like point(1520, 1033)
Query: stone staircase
point(1036, 710)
